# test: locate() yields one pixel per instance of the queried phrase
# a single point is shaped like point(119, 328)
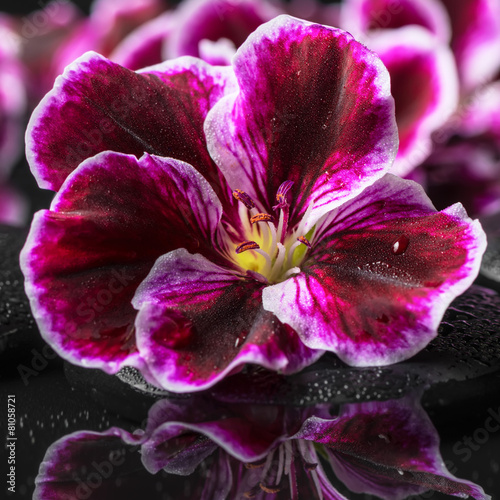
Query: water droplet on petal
point(400, 245)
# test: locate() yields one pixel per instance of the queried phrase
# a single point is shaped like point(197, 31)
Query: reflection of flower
point(235, 451)
point(305, 252)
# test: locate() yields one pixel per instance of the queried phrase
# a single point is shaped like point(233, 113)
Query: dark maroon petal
point(314, 108)
point(144, 46)
point(198, 322)
point(475, 39)
point(85, 257)
point(378, 281)
point(87, 465)
point(424, 83)
point(97, 105)
point(388, 449)
point(362, 16)
point(213, 20)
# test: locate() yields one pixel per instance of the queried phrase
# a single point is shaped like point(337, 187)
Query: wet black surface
point(458, 375)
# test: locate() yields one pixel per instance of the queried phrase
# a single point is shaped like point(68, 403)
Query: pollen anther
point(255, 465)
point(247, 245)
point(241, 196)
point(304, 240)
point(269, 489)
point(261, 218)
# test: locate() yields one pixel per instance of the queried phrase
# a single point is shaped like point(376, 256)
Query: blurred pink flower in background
point(13, 208)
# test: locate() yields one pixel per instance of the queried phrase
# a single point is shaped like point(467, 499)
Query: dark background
point(49, 405)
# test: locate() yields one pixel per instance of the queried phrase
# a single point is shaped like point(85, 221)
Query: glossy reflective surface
point(456, 378)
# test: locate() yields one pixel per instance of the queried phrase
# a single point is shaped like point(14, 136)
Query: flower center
point(278, 472)
point(271, 249)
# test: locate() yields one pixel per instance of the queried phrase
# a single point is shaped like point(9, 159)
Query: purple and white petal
point(382, 271)
point(97, 105)
point(464, 165)
point(388, 449)
point(213, 20)
point(109, 22)
point(219, 53)
point(314, 108)
point(144, 46)
point(475, 39)
point(363, 17)
point(424, 83)
point(87, 463)
point(199, 322)
point(84, 258)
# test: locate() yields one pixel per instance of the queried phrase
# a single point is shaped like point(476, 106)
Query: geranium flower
point(232, 451)
point(42, 33)
point(424, 83)
point(58, 33)
point(236, 215)
point(424, 78)
point(210, 29)
point(465, 163)
point(475, 41)
point(472, 27)
point(364, 17)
